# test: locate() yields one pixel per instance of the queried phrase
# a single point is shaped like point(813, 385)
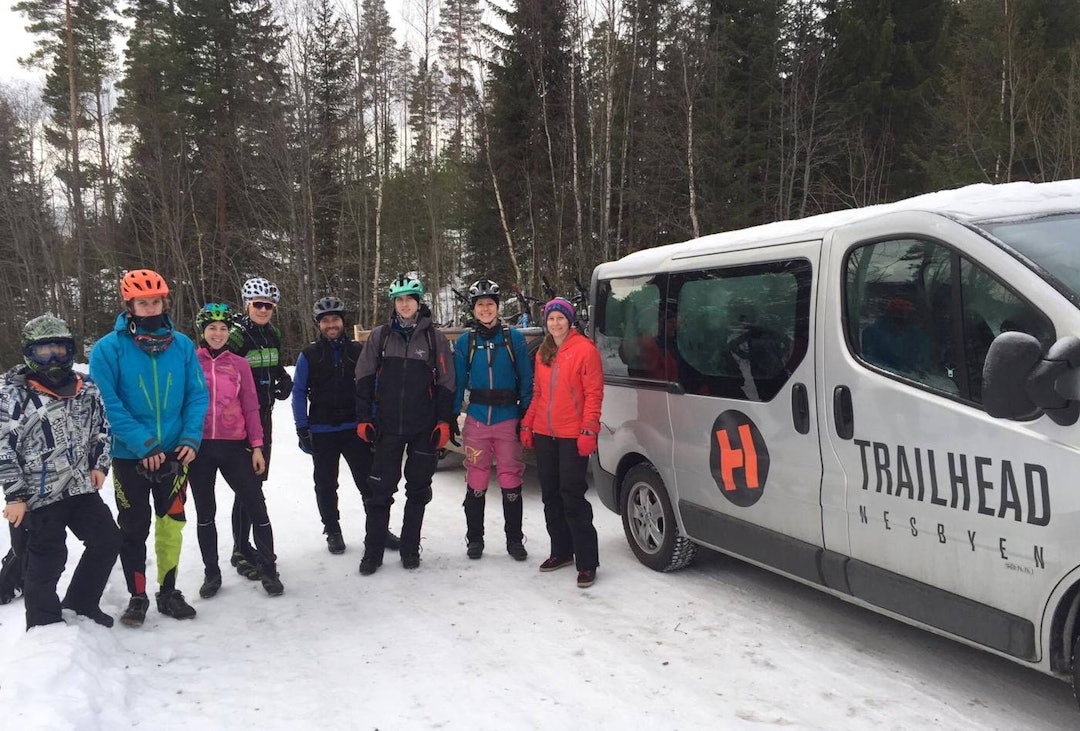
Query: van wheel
point(649, 522)
point(1076, 670)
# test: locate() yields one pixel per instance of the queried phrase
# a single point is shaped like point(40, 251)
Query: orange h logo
point(732, 459)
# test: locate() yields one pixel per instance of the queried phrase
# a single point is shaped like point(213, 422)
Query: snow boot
point(210, 584)
point(512, 510)
point(244, 566)
point(392, 541)
point(335, 544)
point(474, 522)
point(272, 582)
point(171, 603)
point(93, 613)
point(135, 614)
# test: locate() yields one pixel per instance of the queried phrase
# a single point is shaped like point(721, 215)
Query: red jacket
point(568, 393)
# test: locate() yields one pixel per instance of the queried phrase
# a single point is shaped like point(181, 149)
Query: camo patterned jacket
point(49, 444)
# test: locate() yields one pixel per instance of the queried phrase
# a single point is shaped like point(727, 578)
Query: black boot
point(410, 533)
point(135, 614)
point(271, 581)
point(376, 531)
point(512, 509)
point(211, 584)
point(474, 522)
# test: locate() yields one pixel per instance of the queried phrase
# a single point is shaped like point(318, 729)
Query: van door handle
point(800, 408)
point(843, 413)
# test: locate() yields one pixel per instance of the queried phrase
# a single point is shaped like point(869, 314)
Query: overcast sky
point(14, 42)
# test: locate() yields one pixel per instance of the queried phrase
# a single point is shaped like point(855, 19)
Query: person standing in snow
point(155, 398)
point(258, 339)
point(54, 455)
point(561, 425)
point(324, 417)
point(232, 443)
point(492, 362)
point(404, 405)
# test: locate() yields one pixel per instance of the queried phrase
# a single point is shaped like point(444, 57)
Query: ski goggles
point(54, 352)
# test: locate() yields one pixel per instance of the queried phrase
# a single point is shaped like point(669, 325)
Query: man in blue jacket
point(155, 399)
point(492, 362)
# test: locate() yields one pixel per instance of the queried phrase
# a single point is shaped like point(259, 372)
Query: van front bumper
point(604, 484)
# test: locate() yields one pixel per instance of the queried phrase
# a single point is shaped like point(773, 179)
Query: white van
point(810, 396)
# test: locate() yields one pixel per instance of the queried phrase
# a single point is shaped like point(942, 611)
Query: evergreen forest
point(329, 145)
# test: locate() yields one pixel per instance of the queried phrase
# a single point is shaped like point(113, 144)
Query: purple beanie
point(559, 304)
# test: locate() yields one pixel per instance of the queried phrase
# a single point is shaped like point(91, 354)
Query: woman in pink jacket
point(232, 443)
point(561, 425)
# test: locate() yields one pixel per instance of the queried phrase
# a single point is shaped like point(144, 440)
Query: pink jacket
point(234, 406)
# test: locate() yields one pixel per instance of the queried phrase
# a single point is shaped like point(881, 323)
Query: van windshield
point(1052, 242)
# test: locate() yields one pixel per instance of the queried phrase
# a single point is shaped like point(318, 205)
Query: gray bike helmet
point(483, 288)
point(327, 306)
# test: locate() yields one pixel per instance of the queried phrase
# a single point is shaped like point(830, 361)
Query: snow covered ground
point(494, 644)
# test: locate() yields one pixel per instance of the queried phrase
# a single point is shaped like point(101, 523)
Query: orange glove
point(526, 437)
point(440, 435)
point(366, 431)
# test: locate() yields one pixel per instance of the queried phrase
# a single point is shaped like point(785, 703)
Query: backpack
point(509, 351)
point(433, 360)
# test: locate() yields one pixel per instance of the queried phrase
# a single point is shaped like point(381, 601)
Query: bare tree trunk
point(498, 198)
point(78, 225)
point(695, 225)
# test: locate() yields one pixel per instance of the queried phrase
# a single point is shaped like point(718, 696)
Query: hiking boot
point(93, 613)
point(210, 585)
point(392, 541)
point(586, 578)
point(335, 544)
point(410, 560)
point(517, 550)
point(135, 614)
point(475, 549)
point(171, 603)
point(369, 564)
point(244, 566)
point(556, 562)
point(272, 583)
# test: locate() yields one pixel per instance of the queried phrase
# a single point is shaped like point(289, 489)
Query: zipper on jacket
point(213, 400)
point(491, 384)
point(551, 391)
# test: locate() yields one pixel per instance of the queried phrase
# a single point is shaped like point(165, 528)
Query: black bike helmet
point(483, 288)
point(327, 306)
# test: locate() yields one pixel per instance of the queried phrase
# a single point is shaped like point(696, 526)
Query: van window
point(739, 332)
point(626, 327)
point(921, 311)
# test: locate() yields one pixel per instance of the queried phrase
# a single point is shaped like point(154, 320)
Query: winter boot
point(93, 613)
point(410, 560)
point(375, 539)
point(512, 508)
point(171, 603)
point(210, 584)
point(335, 544)
point(392, 541)
point(474, 522)
point(135, 614)
point(244, 566)
point(272, 582)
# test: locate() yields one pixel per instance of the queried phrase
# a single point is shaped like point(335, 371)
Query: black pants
point(566, 511)
point(233, 459)
point(327, 449)
point(241, 521)
point(133, 496)
point(90, 520)
point(13, 569)
point(420, 464)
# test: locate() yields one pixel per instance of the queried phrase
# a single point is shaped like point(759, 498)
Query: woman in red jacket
point(561, 425)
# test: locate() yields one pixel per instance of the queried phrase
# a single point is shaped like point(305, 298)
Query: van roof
point(972, 203)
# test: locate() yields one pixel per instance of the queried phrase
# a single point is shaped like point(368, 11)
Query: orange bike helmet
point(142, 283)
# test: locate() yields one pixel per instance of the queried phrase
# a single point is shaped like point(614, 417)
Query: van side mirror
point(1021, 383)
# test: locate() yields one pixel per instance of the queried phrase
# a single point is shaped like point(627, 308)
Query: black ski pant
point(241, 521)
point(568, 514)
point(89, 519)
point(134, 493)
point(327, 449)
point(233, 459)
point(420, 463)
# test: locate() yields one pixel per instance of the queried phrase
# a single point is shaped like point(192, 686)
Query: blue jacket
point(152, 401)
point(493, 369)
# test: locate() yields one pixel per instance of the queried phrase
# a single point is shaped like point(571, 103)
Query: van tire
point(649, 522)
point(1076, 670)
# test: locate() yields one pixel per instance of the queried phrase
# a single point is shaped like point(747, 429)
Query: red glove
point(526, 437)
point(586, 443)
point(440, 435)
point(366, 431)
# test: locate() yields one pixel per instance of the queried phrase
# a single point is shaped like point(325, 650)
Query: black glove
point(283, 387)
point(455, 432)
point(304, 434)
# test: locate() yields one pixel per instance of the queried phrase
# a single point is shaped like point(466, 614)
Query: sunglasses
point(263, 305)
